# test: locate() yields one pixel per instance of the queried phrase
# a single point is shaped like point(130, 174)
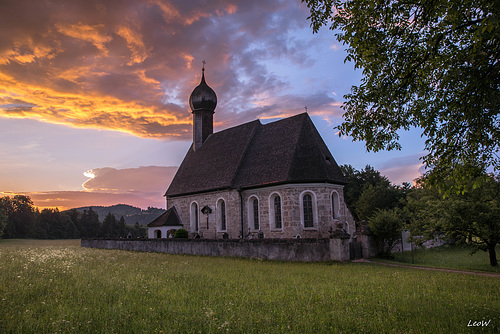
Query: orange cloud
point(94, 34)
point(80, 110)
point(134, 43)
point(130, 66)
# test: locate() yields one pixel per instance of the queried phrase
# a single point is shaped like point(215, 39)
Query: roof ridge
point(237, 126)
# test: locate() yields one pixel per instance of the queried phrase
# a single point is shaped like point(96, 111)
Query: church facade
point(275, 180)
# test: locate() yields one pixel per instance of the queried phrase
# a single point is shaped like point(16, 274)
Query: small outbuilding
point(168, 221)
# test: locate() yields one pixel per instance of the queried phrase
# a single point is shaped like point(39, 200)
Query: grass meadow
point(451, 256)
point(59, 287)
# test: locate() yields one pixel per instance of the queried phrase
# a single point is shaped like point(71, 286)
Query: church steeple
point(202, 102)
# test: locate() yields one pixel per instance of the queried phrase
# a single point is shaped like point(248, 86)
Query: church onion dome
point(203, 97)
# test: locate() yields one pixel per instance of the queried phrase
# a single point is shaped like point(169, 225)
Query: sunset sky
point(94, 94)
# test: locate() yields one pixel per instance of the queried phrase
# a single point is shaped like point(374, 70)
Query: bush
point(386, 228)
point(181, 233)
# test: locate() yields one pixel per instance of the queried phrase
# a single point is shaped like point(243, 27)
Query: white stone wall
point(292, 219)
point(152, 231)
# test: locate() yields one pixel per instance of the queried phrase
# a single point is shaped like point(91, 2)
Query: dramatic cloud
point(131, 65)
point(141, 187)
point(143, 179)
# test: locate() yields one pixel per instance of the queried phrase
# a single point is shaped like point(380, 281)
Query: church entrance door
point(355, 250)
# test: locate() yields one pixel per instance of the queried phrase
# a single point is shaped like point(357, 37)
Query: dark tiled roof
point(254, 155)
point(169, 218)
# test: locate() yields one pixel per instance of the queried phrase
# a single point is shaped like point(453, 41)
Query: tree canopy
point(430, 64)
point(472, 218)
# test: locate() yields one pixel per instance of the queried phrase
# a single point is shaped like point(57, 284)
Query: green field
point(58, 287)
point(450, 256)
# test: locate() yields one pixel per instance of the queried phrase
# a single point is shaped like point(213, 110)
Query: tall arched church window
point(307, 205)
point(194, 217)
point(221, 215)
point(308, 209)
point(277, 212)
point(335, 205)
point(255, 209)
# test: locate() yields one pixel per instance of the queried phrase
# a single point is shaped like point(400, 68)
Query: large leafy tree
point(431, 64)
point(471, 218)
point(367, 191)
point(21, 216)
point(386, 227)
point(358, 181)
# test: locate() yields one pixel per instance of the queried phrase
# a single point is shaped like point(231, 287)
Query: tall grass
point(450, 256)
point(58, 287)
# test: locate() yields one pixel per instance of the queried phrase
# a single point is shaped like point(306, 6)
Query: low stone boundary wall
point(307, 250)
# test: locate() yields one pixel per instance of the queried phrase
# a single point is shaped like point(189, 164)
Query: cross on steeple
point(305, 108)
point(203, 68)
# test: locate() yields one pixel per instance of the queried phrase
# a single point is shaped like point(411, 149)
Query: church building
point(254, 180)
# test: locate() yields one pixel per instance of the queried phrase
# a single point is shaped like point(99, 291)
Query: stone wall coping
point(255, 240)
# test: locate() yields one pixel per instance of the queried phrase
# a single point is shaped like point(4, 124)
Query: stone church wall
point(291, 208)
point(293, 225)
point(207, 223)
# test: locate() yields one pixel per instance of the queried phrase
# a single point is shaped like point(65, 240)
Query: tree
point(137, 231)
point(374, 198)
point(3, 220)
point(471, 218)
point(358, 181)
point(434, 65)
point(89, 224)
point(52, 224)
point(386, 228)
point(113, 228)
point(75, 217)
point(367, 191)
point(21, 216)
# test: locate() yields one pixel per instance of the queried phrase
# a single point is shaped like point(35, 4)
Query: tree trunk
point(493, 255)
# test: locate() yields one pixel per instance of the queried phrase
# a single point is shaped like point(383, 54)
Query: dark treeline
point(20, 219)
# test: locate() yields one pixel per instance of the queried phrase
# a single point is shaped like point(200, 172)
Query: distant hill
point(131, 214)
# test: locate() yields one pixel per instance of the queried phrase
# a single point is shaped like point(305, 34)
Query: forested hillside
point(131, 214)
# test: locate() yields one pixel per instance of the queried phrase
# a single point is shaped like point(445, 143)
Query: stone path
point(478, 273)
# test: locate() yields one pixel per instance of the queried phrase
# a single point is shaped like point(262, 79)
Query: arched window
point(255, 209)
point(277, 212)
point(158, 234)
point(221, 214)
point(253, 213)
point(307, 207)
point(335, 205)
point(194, 220)
point(275, 216)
